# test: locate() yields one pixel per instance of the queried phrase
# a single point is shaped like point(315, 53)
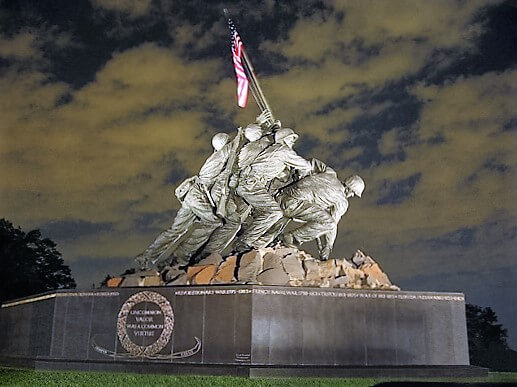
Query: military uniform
point(255, 178)
point(318, 200)
point(197, 207)
point(224, 235)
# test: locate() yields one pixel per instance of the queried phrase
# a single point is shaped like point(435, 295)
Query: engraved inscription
point(144, 328)
point(145, 323)
point(314, 293)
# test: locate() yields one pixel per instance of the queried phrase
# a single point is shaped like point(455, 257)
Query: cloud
point(390, 142)
point(443, 24)
point(351, 48)
point(30, 45)
point(71, 229)
point(21, 46)
point(394, 192)
point(132, 8)
point(143, 78)
point(359, 30)
point(107, 152)
point(448, 218)
point(461, 237)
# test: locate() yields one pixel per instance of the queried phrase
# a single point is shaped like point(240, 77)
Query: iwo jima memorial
point(227, 290)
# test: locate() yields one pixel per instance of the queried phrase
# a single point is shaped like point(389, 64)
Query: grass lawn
point(22, 377)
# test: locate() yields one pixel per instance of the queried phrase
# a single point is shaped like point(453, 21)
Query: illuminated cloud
point(132, 8)
point(21, 46)
point(359, 48)
point(459, 184)
point(113, 140)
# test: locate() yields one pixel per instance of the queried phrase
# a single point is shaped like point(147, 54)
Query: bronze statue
point(246, 193)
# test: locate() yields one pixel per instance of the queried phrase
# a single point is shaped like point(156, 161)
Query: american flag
point(242, 80)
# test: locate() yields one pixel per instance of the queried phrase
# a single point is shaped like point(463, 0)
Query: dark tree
point(29, 263)
point(487, 340)
point(483, 330)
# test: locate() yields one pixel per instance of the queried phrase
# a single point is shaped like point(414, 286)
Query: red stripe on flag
point(242, 80)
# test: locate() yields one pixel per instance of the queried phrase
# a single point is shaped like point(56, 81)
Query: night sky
point(107, 105)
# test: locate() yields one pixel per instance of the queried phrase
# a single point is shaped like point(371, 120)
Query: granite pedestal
point(246, 330)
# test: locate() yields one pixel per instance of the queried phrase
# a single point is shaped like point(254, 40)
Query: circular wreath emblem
point(168, 323)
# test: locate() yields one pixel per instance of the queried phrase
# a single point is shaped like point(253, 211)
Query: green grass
point(22, 377)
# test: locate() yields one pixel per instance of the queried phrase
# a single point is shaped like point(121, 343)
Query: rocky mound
point(277, 265)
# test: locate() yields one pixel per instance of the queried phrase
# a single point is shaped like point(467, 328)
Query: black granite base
point(244, 330)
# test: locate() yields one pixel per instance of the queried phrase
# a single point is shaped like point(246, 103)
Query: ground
point(20, 377)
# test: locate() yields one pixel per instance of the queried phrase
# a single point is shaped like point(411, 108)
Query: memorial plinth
point(247, 330)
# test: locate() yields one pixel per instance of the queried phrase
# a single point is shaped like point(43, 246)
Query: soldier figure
point(262, 176)
point(197, 210)
point(319, 200)
point(257, 171)
point(237, 209)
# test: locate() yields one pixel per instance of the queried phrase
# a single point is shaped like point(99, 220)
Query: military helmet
point(284, 133)
point(356, 184)
point(220, 140)
point(252, 132)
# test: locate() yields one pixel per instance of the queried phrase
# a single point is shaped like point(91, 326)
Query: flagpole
point(253, 89)
point(255, 82)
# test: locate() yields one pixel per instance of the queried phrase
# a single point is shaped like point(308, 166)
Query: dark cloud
point(91, 42)
point(463, 237)
point(495, 49)
point(307, 144)
point(511, 233)
point(89, 273)
point(493, 166)
point(395, 192)
point(154, 221)
point(390, 108)
point(437, 139)
point(496, 166)
point(62, 230)
point(176, 173)
point(510, 125)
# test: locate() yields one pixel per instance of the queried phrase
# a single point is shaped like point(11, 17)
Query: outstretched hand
point(264, 118)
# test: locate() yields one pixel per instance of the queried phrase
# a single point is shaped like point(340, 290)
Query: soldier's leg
point(222, 237)
point(199, 236)
point(183, 220)
point(198, 202)
point(273, 232)
point(317, 220)
point(327, 243)
point(266, 212)
point(200, 205)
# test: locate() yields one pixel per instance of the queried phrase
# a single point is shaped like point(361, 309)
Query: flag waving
point(246, 78)
point(242, 79)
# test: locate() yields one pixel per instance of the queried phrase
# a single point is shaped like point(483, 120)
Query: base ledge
point(252, 371)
